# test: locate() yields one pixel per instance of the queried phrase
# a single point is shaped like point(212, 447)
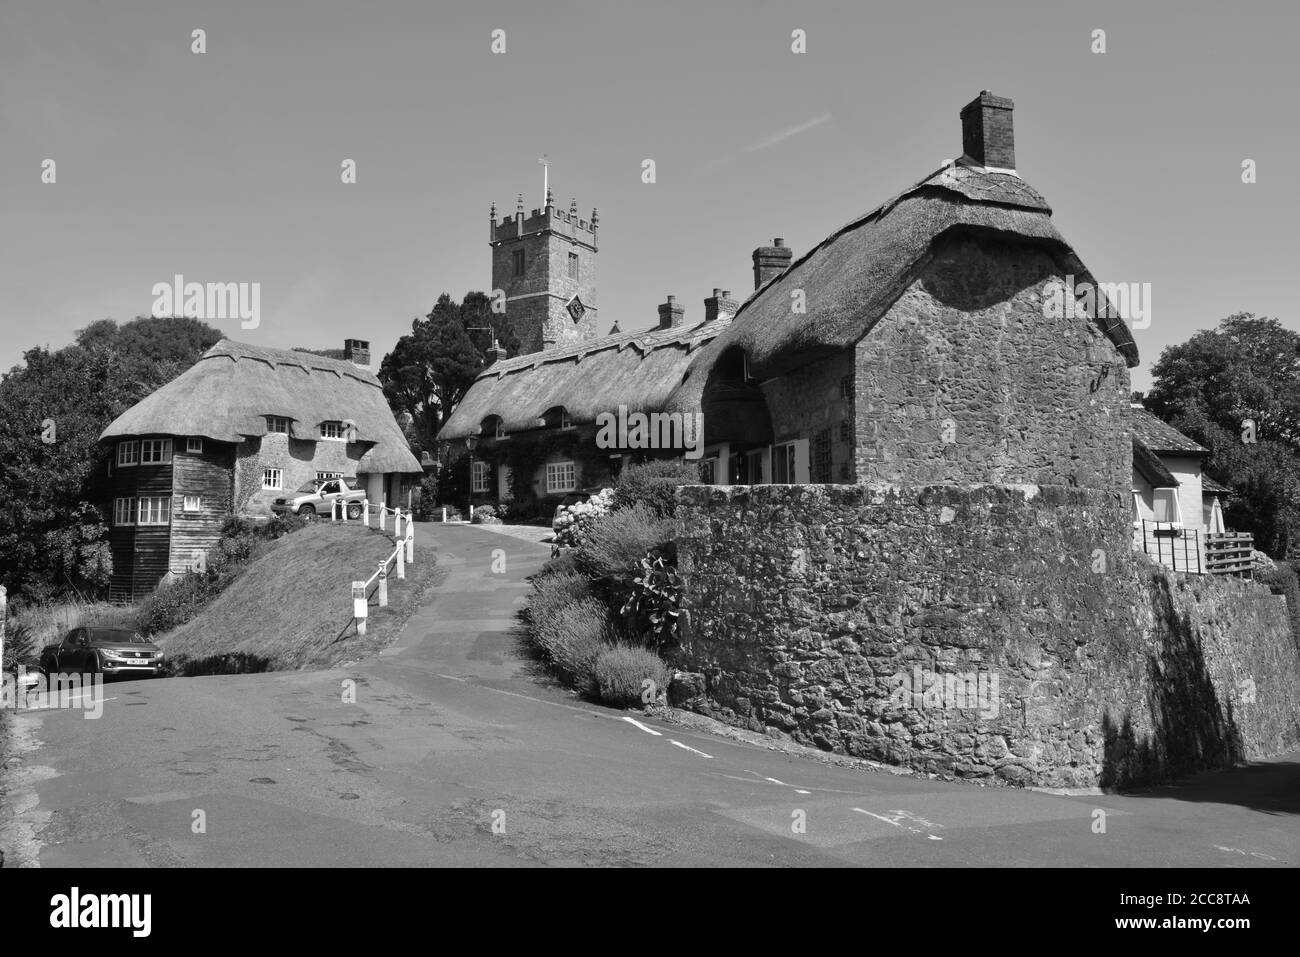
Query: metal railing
point(1188, 550)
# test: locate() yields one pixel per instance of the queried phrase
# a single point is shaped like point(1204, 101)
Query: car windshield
point(311, 486)
point(117, 636)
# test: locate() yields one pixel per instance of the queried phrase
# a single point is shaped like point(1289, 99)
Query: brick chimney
point(719, 304)
point(986, 134)
point(495, 353)
point(357, 351)
point(771, 260)
point(671, 314)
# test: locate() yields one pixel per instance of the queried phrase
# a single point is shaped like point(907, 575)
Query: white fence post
point(383, 583)
point(444, 515)
point(365, 512)
point(410, 541)
point(397, 523)
point(381, 514)
point(360, 608)
point(401, 563)
point(343, 511)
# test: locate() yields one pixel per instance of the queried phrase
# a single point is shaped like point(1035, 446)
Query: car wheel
point(354, 511)
point(307, 511)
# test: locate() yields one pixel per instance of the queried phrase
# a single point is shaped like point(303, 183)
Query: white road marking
point(634, 721)
point(801, 791)
point(775, 781)
point(686, 748)
point(903, 819)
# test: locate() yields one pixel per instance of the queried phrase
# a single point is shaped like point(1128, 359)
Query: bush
point(554, 591)
point(621, 673)
point(617, 542)
point(571, 638)
point(563, 562)
point(174, 604)
point(653, 606)
point(485, 515)
point(1283, 580)
point(20, 646)
point(573, 522)
point(654, 484)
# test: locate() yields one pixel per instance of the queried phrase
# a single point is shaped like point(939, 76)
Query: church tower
point(546, 264)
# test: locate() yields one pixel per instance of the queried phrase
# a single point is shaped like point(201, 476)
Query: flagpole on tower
point(546, 178)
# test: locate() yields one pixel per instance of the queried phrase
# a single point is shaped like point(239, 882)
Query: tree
point(52, 465)
point(432, 367)
point(1209, 387)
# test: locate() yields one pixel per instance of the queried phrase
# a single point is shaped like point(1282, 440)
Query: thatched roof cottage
point(224, 438)
point(912, 345)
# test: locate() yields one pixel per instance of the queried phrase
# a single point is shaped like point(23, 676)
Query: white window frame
point(565, 471)
point(793, 456)
point(481, 480)
point(124, 511)
point(1170, 495)
point(128, 454)
point(333, 430)
point(327, 476)
point(153, 510)
point(155, 451)
point(275, 478)
point(194, 446)
point(273, 420)
point(192, 503)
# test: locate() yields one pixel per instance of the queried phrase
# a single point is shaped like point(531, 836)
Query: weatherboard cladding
point(228, 394)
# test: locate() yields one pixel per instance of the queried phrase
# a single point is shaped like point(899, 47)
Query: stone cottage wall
point(965, 379)
point(988, 632)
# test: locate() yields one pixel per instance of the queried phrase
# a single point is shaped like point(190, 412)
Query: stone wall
point(998, 633)
point(964, 379)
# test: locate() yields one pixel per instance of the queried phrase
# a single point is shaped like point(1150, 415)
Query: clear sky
point(225, 166)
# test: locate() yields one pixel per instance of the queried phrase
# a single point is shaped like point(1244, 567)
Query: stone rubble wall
point(998, 633)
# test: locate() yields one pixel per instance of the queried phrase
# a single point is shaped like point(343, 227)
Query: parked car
point(318, 496)
point(109, 651)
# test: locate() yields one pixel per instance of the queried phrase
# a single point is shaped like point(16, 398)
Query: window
point(193, 503)
point(326, 476)
point(273, 478)
point(1135, 509)
point(789, 462)
point(560, 477)
point(482, 477)
point(277, 423)
point(1165, 501)
point(846, 387)
point(333, 430)
point(492, 426)
point(822, 456)
point(154, 510)
point(194, 445)
point(845, 434)
point(518, 257)
point(754, 468)
point(155, 451)
point(573, 266)
point(128, 453)
point(556, 417)
point(709, 470)
point(331, 487)
point(123, 511)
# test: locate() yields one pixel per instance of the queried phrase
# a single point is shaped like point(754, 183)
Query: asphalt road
point(455, 754)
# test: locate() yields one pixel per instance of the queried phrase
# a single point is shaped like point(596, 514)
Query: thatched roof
point(855, 275)
point(635, 369)
point(1160, 436)
point(227, 395)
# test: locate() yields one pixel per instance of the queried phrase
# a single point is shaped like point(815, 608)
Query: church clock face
point(576, 309)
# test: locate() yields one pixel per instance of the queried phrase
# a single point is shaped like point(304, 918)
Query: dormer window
point(277, 423)
point(333, 430)
point(556, 417)
point(493, 427)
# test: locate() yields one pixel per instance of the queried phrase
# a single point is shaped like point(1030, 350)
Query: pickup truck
point(318, 496)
